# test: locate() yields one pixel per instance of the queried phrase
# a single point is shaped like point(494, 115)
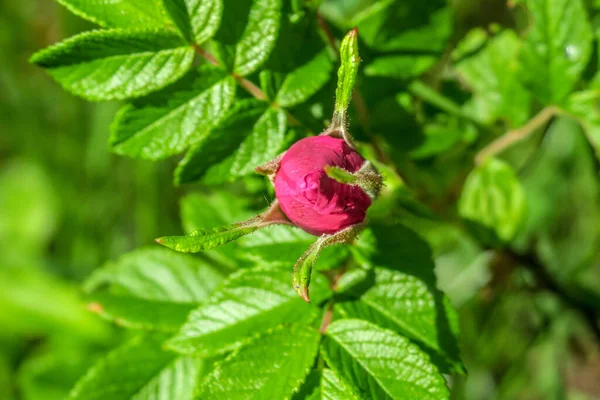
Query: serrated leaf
point(494, 198)
point(116, 64)
point(209, 238)
point(493, 74)
point(249, 302)
point(405, 304)
point(139, 369)
point(248, 34)
point(350, 60)
point(169, 121)
point(401, 66)
point(271, 366)
point(119, 13)
point(197, 20)
point(556, 49)
point(221, 142)
point(401, 293)
point(300, 84)
point(151, 288)
point(264, 143)
point(380, 363)
point(281, 246)
point(333, 388)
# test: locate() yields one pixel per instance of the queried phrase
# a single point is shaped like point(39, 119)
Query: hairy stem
point(516, 135)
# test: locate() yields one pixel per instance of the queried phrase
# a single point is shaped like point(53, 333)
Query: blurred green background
point(67, 205)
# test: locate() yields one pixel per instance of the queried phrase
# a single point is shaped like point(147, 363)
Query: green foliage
point(482, 117)
point(117, 64)
point(494, 198)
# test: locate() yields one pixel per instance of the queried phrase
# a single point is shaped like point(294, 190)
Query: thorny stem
point(516, 135)
point(248, 85)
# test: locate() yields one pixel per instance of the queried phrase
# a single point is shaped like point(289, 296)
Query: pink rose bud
point(312, 200)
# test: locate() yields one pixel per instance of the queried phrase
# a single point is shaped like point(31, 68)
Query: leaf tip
point(95, 308)
point(160, 241)
point(302, 292)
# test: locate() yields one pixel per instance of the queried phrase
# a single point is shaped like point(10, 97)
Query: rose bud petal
point(312, 200)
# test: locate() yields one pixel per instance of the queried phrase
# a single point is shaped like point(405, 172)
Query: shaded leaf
point(300, 84)
point(401, 66)
point(272, 366)
point(556, 49)
point(169, 121)
point(221, 142)
point(116, 64)
point(267, 140)
point(493, 197)
point(333, 388)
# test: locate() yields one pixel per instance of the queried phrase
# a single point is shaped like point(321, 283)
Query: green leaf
point(267, 140)
point(272, 366)
point(281, 246)
point(139, 370)
point(405, 304)
point(169, 121)
point(333, 388)
point(249, 302)
point(380, 363)
point(494, 198)
point(402, 292)
point(199, 210)
point(116, 64)
point(586, 106)
point(209, 238)
point(401, 66)
point(221, 142)
point(493, 75)
point(303, 82)
point(410, 26)
point(350, 60)
point(197, 20)
point(247, 34)
point(119, 13)
point(557, 47)
point(151, 288)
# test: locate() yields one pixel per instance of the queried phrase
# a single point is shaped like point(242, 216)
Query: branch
point(516, 135)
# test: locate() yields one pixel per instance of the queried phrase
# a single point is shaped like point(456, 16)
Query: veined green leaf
point(209, 238)
point(169, 121)
point(139, 369)
point(247, 34)
point(557, 47)
point(221, 142)
point(197, 20)
point(350, 61)
point(116, 64)
point(333, 388)
point(300, 84)
point(405, 304)
point(249, 302)
point(266, 141)
point(493, 74)
point(119, 13)
point(493, 197)
point(382, 364)
point(151, 288)
point(403, 293)
point(272, 366)
point(281, 246)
